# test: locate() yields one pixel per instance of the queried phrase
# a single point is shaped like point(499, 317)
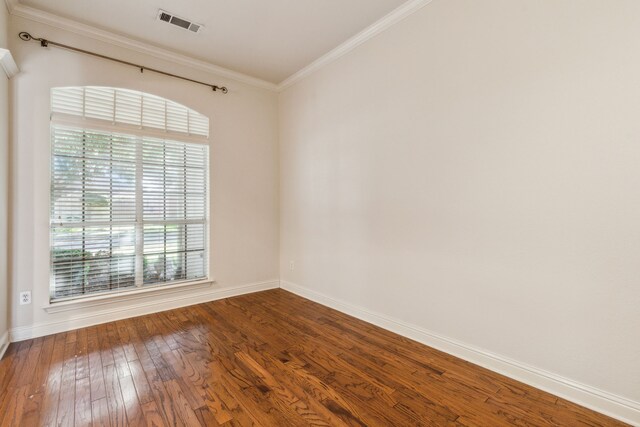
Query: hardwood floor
point(270, 359)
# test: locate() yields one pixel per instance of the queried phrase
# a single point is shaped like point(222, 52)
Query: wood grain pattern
point(264, 359)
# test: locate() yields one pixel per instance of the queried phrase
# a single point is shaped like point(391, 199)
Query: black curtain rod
point(45, 43)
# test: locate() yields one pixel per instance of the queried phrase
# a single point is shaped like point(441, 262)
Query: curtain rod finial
point(28, 37)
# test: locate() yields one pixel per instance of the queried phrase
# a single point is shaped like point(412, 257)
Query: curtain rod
point(45, 43)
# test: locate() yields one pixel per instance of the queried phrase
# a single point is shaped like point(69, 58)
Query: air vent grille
point(179, 22)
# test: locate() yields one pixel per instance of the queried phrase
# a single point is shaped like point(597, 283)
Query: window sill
point(98, 300)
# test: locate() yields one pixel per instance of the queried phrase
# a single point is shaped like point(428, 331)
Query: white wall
point(475, 171)
point(244, 170)
point(4, 177)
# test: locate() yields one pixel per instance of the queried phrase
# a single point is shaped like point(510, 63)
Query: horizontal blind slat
point(129, 107)
point(94, 210)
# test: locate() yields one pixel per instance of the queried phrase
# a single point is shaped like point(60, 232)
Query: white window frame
point(81, 123)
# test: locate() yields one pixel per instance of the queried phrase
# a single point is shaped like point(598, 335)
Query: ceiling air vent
point(180, 22)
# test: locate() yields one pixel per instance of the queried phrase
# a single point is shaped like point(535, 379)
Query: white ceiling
point(267, 39)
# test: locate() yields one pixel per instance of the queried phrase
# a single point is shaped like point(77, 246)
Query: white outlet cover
point(25, 297)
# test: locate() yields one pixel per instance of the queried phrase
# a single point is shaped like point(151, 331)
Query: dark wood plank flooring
point(269, 359)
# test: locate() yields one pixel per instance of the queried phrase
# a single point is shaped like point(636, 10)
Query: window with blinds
point(127, 210)
point(124, 107)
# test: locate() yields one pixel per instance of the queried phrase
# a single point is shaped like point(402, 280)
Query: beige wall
point(472, 171)
point(4, 176)
point(243, 153)
point(475, 171)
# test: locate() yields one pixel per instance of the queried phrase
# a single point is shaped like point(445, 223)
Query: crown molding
point(84, 30)
point(10, 4)
point(47, 18)
point(7, 63)
point(371, 31)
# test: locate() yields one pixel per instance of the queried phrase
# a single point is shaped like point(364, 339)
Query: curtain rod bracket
point(25, 36)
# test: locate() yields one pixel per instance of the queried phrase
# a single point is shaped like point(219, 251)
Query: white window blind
point(130, 108)
point(126, 211)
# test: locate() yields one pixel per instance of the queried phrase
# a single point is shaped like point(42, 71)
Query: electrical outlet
point(25, 297)
point(292, 265)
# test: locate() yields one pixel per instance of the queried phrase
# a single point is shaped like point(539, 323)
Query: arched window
point(129, 192)
point(124, 107)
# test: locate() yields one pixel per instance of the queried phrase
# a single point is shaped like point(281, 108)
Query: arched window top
point(128, 107)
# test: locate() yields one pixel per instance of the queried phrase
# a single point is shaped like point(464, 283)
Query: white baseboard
point(599, 400)
point(4, 343)
point(137, 309)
